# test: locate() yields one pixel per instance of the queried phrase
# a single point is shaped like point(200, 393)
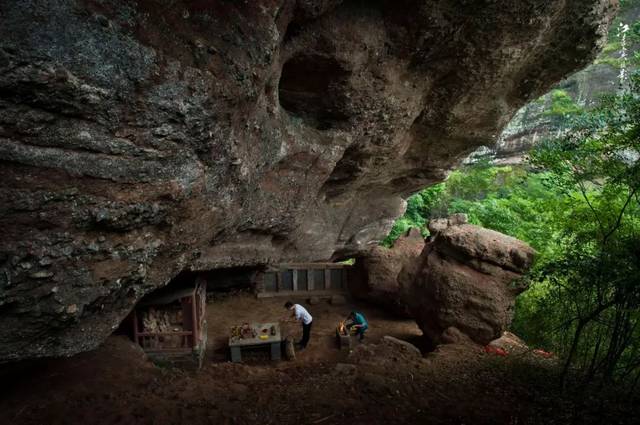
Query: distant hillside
point(548, 115)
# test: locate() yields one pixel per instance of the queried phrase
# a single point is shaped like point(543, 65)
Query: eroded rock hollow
point(142, 138)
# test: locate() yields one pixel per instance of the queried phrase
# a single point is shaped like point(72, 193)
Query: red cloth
point(495, 350)
point(543, 353)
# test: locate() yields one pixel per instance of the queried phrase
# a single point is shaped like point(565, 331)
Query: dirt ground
point(379, 382)
point(235, 310)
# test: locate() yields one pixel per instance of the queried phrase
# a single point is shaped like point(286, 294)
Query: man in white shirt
point(302, 315)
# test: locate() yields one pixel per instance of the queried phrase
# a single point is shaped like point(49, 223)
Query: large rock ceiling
point(142, 138)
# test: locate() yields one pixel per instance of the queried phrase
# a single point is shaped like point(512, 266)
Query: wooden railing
point(303, 279)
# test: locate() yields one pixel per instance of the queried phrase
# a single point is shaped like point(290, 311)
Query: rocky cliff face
point(142, 138)
point(539, 120)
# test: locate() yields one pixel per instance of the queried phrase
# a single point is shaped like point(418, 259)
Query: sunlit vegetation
point(576, 200)
point(562, 104)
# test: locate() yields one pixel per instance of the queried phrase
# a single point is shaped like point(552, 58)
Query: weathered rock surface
point(510, 342)
point(376, 275)
point(139, 139)
point(467, 284)
point(389, 349)
point(538, 121)
point(403, 345)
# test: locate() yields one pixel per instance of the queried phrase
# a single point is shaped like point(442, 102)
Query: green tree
point(577, 203)
point(562, 105)
point(595, 283)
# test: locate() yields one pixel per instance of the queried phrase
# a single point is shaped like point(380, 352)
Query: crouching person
point(358, 322)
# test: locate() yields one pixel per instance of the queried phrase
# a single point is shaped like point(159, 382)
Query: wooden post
point(278, 281)
point(295, 279)
point(258, 282)
point(194, 318)
point(290, 352)
point(327, 278)
point(310, 278)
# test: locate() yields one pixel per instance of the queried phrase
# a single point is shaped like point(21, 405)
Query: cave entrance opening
point(229, 281)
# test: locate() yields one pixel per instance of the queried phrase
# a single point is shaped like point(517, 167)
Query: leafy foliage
point(577, 203)
point(416, 215)
point(507, 199)
point(562, 104)
point(595, 282)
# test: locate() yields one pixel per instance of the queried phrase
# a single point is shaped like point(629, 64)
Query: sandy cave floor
point(221, 316)
point(375, 384)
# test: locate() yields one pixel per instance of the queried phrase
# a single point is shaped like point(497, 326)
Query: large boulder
point(142, 138)
point(467, 284)
point(376, 275)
